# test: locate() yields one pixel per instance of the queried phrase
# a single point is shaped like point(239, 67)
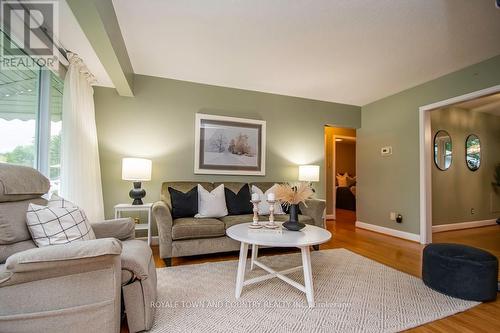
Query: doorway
point(427, 160)
point(340, 154)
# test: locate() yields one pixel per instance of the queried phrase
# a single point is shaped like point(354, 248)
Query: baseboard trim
point(330, 217)
point(388, 231)
point(463, 225)
point(154, 240)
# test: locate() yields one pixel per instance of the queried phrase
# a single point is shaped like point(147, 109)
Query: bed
point(346, 197)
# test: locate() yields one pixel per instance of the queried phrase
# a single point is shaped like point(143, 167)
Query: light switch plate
point(386, 151)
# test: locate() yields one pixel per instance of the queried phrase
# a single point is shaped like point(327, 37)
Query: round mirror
point(442, 150)
point(473, 152)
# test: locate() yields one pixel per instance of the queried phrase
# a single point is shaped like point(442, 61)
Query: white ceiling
point(347, 51)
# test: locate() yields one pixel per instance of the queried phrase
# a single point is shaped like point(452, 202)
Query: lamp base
point(137, 193)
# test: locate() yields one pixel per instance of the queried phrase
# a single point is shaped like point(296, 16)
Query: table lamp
point(136, 170)
point(309, 173)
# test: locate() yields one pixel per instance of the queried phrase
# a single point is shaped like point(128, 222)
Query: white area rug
point(352, 294)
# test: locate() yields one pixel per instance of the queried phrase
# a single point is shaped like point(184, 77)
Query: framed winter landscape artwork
point(229, 146)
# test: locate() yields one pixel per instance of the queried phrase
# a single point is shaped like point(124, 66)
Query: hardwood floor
point(400, 254)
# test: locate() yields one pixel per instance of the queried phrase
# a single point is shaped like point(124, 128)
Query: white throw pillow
point(211, 204)
point(263, 205)
point(60, 222)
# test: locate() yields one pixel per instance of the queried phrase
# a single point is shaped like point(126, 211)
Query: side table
point(147, 207)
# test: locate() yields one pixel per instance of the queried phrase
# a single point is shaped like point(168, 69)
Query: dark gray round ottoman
point(460, 271)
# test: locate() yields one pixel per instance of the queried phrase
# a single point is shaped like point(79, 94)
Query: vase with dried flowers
point(292, 196)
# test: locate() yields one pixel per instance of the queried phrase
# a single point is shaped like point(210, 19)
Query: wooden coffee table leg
point(240, 278)
point(255, 253)
point(306, 264)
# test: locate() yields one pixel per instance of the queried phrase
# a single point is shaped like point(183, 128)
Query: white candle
point(271, 197)
point(255, 197)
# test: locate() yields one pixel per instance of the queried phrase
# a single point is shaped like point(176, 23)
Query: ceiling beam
point(98, 21)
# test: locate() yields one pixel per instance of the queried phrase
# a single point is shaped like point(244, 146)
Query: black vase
point(293, 223)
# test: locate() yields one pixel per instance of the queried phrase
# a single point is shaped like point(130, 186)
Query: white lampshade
point(309, 173)
point(136, 169)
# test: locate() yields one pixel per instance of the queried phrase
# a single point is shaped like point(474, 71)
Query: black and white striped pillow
point(60, 222)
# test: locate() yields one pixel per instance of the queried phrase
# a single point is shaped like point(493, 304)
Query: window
point(18, 115)
point(31, 119)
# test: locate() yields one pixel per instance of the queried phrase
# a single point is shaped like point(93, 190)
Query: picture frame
point(229, 145)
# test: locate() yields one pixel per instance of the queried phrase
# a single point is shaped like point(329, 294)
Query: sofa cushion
point(13, 226)
point(231, 220)
point(184, 204)
point(189, 227)
point(21, 183)
point(238, 198)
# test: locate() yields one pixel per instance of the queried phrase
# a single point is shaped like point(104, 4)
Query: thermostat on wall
point(386, 151)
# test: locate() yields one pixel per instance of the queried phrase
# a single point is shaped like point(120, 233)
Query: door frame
point(425, 156)
point(334, 165)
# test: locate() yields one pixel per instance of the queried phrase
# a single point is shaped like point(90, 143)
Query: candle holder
point(271, 224)
point(255, 224)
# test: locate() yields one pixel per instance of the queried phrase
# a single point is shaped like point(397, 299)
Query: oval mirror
point(442, 150)
point(473, 152)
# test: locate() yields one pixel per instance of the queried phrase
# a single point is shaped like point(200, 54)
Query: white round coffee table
point(303, 239)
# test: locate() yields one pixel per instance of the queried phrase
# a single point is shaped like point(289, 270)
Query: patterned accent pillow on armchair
point(60, 222)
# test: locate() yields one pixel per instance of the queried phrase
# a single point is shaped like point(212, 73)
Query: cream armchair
point(75, 287)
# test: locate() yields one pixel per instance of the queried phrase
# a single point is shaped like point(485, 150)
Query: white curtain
point(80, 168)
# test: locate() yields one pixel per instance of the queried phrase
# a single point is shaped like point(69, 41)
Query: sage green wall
point(456, 190)
point(158, 123)
point(388, 184)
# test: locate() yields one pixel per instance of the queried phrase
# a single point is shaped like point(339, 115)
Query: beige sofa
point(75, 287)
point(190, 236)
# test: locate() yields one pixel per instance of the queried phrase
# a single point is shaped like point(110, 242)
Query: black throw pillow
point(238, 204)
point(184, 204)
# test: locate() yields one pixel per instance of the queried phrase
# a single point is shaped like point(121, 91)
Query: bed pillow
point(351, 181)
point(342, 179)
point(54, 225)
point(239, 203)
point(211, 204)
point(184, 204)
point(263, 205)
